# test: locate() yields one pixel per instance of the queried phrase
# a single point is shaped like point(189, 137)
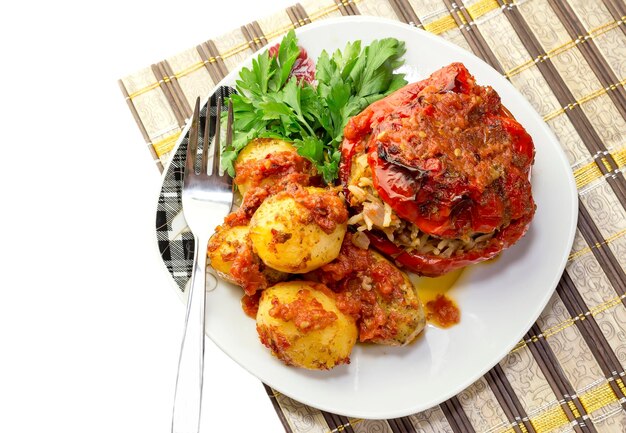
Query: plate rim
point(540, 306)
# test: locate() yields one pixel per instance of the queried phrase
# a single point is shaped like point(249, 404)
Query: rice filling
point(374, 214)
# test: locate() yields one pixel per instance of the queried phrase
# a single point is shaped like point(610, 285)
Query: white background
point(90, 327)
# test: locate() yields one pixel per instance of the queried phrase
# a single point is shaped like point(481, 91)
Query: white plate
point(499, 302)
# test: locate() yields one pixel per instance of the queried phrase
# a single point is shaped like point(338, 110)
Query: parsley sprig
point(270, 102)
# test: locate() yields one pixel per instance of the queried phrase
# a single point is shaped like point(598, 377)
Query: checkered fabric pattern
point(175, 241)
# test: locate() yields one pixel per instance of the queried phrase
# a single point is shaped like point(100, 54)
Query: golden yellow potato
point(300, 322)
point(258, 149)
point(404, 306)
point(286, 237)
point(223, 248)
point(226, 245)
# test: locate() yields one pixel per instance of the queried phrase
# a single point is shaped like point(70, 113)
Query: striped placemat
point(569, 59)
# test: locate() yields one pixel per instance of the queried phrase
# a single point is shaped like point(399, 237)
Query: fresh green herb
point(269, 103)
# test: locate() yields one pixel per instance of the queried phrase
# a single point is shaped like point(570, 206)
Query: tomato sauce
point(387, 279)
point(442, 311)
point(276, 165)
point(246, 269)
point(306, 312)
point(362, 283)
point(326, 208)
point(251, 202)
point(282, 169)
point(277, 342)
point(250, 304)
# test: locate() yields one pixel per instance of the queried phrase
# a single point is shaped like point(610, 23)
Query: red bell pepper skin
point(448, 157)
point(431, 265)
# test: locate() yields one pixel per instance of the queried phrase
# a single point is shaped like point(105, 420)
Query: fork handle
point(188, 393)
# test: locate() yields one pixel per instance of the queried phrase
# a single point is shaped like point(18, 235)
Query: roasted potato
point(286, 237)
point(224, 248)
point(258, 149)
point(300, 322)
point(403, 306)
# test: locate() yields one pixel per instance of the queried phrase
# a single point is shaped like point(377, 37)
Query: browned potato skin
point(286, 241)
point(315, 349)
point(227, 240)
point(223, 248)
point(408, 310)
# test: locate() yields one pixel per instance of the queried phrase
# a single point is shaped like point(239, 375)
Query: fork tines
point(192, 144)
point(213, 113)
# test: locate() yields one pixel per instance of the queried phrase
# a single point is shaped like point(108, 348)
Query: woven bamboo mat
point(569, 60)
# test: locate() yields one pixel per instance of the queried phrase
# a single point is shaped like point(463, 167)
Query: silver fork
point(207, 199)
